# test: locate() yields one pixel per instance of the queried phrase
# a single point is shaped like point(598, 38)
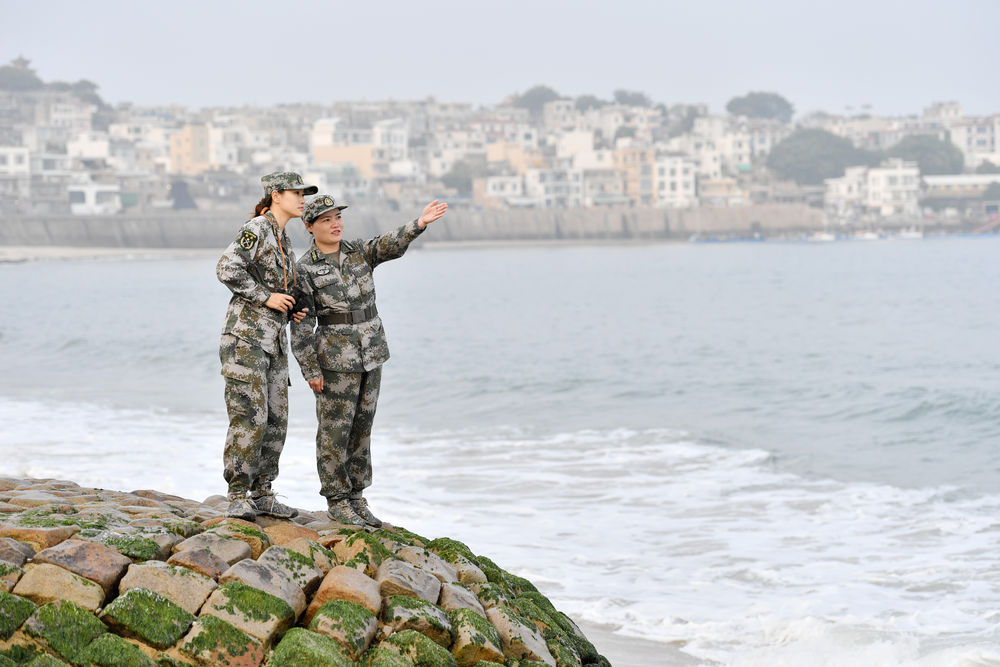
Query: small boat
point(822, 237)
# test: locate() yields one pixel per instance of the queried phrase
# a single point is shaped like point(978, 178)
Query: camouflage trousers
point(257, 403)
point(345, 410)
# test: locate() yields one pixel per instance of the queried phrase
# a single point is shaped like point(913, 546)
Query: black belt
point(350, 317)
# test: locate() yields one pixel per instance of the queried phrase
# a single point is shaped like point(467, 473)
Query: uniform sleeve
point(304, 334)
point(390, 245)
point(233, 269)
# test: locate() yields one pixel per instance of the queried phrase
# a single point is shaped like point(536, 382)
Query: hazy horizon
point(897, 57)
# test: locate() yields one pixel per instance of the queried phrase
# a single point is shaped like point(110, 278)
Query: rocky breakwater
point(96, 577)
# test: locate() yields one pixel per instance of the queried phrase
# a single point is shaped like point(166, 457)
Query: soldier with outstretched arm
point(340, 346)
point(259, 268)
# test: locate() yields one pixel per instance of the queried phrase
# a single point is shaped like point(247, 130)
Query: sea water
point(762, 454)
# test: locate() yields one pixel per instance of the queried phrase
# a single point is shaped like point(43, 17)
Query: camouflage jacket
point(252, 267)
point(348, 348)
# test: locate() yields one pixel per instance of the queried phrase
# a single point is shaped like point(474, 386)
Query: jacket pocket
point(241, 360)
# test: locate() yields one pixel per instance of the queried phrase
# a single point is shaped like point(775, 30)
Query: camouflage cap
point(286, 180)
point(319, 205)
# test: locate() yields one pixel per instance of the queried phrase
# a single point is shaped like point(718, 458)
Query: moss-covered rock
point(420, 650)
point(20, 654)
point(402, 612)
point(401, 535)
point(255, 612)
point(214, 641)
point(48, 518)
point(564, 654)
point(181, 527)
point(253, 602)
point(257, 540)
point(487, 663)
point(14, 611)
point(490, 594)
point(66, 628)
point(447, 548)
point(476, 639)
point(135, 546)
point(45, 660)
point(380, 656)
point(148, 616)
point(348, 623)
point(301, 647)
point(110, 650)
point(362, 547)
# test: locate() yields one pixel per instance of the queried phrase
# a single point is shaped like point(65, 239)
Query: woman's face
point(290, 201)
point(328, 228)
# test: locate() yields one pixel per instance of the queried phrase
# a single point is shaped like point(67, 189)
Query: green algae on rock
point(110, 650)
point(346, 620)
point(136, 547)
point(148, 616)
point(402, 612)
point(475, 638)
point(421, 650)
point(217, 637)
point(401, 535)
point(64, 627)
point(448, 548)
point(379, 656)
point(14, 611)
point(244, 626)
point(301, 647)
point(45, 660)
point(252, 603)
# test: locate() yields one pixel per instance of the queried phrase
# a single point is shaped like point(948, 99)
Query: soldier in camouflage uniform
point(340, 346)
point(259, 268)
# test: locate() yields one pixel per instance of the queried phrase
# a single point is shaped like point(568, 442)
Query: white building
point(892, 188)
point(14, 161)
point(95, 198)
point(978, 138)
point(391, 138)
point(89, 146)
point(674, 178)
point(554, 188)
point(559, 115)
point(845, 196)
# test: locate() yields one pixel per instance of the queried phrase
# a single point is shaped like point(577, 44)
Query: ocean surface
point(760, 454)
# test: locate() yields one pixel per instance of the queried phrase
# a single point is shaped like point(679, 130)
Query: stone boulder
point(396, 577)
point(348, 623)
point(345, 583)
point(403, 612)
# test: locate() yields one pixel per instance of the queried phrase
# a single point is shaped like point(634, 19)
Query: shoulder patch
point(247, 240)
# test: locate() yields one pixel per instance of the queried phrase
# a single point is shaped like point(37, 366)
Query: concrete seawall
point(215, 229)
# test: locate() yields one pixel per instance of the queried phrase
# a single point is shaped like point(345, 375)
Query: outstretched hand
point(432, 212)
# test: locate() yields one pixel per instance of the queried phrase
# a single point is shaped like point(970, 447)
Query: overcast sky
point(896, 56)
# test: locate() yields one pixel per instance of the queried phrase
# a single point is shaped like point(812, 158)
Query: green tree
point(988, 167)
point(624, 131)
point(682, 117)
point(992, 193)
point(535, 98)
point(584, 102)
point(809, 156)
point(762, 105)
point(463, 172)
point(18, 79)
point(932, 154)
point(632, 98)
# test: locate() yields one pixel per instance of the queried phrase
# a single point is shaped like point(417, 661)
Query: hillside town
point(64, 151)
